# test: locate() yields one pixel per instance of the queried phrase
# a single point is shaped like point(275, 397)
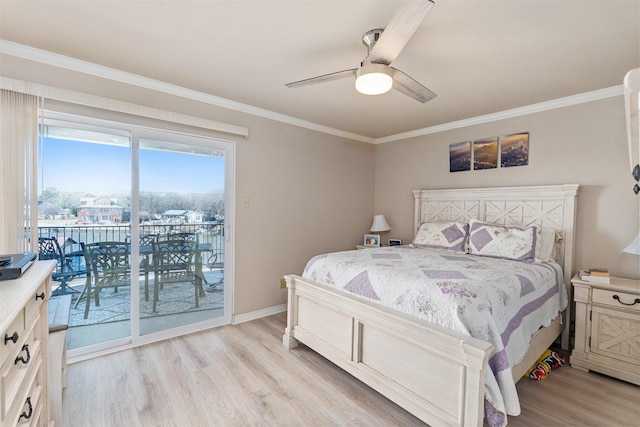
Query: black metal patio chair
point(174, 262)
point(146, 258)
point(216, 263)
point(108, 266)
point(49, 249)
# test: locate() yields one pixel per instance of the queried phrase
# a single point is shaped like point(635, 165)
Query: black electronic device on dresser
point(13, 265)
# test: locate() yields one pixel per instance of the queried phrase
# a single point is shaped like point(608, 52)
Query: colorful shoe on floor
point(548, 361)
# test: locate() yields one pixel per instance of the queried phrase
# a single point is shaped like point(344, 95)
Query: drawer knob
point(24, 361)
point(26, 415)
point(40, 296)
point(13, 338)
point(636, 301)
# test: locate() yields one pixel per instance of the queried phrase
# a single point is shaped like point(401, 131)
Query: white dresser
point(607, 327)
point(24, 394)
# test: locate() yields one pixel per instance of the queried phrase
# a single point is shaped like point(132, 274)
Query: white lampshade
point(374, 79)
point(632, 106)
point(379, 224)
point(634, 246)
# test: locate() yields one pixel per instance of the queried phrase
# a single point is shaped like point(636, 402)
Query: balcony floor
point(111, 319)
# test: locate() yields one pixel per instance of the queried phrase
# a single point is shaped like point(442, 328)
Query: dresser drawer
point(25, 319)
point(24, 363)
point(7, 347)
point(28, 400)
point(26, 336)
point(616, 299)
point(32, 308)
point(18, 371)
point(33, 413)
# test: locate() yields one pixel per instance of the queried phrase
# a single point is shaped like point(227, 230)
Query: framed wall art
point(490, 153)
point(514, 150)
point(460, 156)
point(485, 153)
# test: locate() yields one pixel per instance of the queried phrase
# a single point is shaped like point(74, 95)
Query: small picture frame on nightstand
point(372, 240)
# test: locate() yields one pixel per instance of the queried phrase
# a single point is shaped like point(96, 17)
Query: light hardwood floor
point(242, 375)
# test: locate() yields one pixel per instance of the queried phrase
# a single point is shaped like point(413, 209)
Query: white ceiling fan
point(375, 75)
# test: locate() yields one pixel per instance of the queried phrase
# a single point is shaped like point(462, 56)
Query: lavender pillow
point(503, 241)
point(451, 236)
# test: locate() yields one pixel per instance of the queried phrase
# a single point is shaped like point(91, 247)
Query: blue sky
point(102, 169)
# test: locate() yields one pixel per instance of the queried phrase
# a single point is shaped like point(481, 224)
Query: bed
point(437, 373)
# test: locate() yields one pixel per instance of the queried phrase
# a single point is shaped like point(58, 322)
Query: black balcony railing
point(70, 236)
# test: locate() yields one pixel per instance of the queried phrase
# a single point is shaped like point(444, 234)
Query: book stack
point(599, 275)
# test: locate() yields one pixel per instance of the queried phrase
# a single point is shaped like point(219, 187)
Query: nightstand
point(607, 327)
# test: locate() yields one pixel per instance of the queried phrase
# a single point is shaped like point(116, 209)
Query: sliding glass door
point(84, 191)
point(140, 220)
point(181, 198)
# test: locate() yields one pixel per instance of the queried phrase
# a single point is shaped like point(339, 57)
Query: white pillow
point(546, 245)
point(503, 241)
point(451, 236)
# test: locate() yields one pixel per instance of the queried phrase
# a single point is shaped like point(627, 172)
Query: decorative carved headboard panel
point(551, 206)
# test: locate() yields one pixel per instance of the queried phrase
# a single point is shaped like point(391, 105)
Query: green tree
point(49, 201)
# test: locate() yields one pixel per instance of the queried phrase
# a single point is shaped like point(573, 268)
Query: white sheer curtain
point(18, 190)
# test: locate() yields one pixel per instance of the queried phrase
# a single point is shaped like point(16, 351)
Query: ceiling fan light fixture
point(374, 79)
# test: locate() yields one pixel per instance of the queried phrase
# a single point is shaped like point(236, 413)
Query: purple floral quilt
point(500, 301)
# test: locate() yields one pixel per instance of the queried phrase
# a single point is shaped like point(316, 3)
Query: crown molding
point(48, 92)
point(568, 101)
point(42, 56)
point(85, 67)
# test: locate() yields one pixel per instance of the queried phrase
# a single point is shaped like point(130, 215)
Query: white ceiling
point(479, 57)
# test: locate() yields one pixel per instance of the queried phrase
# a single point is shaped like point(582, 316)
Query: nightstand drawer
point(607, 327)
point(614, 333)
point(616, 299)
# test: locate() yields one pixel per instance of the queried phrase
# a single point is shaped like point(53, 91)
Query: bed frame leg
point(288, 340)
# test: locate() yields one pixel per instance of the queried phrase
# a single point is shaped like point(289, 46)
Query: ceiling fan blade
point(401, 28)
point(408, 86)
point(324, 78)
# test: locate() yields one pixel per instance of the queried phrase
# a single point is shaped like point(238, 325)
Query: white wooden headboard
point(550, 206)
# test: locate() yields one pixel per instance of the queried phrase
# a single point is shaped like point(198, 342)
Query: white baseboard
point(246, 317)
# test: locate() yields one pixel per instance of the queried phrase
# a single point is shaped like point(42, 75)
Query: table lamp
point(634, 246)
point(379, 224)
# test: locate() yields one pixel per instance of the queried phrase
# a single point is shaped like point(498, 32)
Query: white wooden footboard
point(432, 372)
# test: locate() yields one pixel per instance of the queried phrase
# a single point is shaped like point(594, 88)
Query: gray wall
point(583, 144)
